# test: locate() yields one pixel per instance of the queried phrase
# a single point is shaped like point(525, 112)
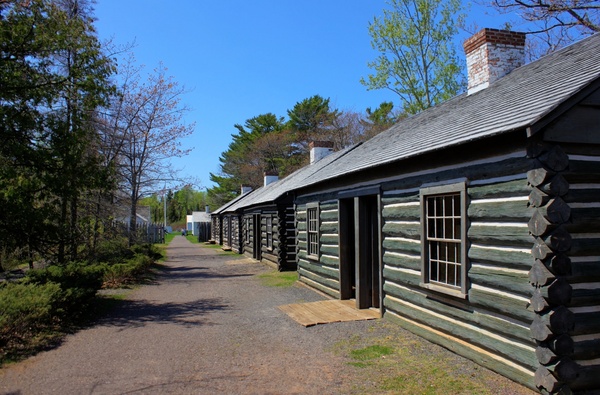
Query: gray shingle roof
point(516, 101)
point(298, 179)
point(226, 206)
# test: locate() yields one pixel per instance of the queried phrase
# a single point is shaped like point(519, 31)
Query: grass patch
point(390, 360)
point(219, 248)
point(278, 279)
point(169, 237)
point(192, 239)
point(363, 355)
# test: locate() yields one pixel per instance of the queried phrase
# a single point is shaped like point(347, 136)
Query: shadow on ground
point(137, 313)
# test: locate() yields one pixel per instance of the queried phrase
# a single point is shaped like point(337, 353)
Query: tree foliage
point(179, 204)
point(417, 59)
point(268, 143)
point(53, 75)
point(68, 134)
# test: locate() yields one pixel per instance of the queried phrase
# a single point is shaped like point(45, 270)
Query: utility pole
point(165, 205)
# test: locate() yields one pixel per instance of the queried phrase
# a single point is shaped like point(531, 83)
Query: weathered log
point(512, 350)
point(481, 318)
point(556, 211)
point(548, 353)
point(559, 239)
point(545, 355)
point(562, 345)
point(540, 275)
point(411, 230)
point(585, 247)
point(406, 261)
point(536, 148)
point(585, 219)
point(500, 235)
point(541, 250)
point(557, 186)
point(505, 210)
point(538, 198)
point(500, 189)
point(545, 380)
point(555, 159)
point(558, 293)
point(539, 225)
point(564, 369)
point(507, 258)
point(411, 212)
point(538, 303)
point(585, 296)
point(512, 281)
point(586, 323)
point(586, 349)
point(503, 304)
point(556, 322)
point(561, 264)
point(539, 176)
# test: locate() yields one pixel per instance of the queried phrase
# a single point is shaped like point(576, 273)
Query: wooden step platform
point(326, 311)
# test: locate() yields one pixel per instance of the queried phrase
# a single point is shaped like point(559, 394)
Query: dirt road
point(208, 326)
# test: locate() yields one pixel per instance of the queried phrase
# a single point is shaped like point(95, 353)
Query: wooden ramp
point(326, 311)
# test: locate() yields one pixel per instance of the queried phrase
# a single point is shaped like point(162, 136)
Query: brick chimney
point(319, 150)
point(491, 54)
point(246, 189)
point(270, 177)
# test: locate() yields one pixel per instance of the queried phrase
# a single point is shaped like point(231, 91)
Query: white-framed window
point(444, 239)
point(269, 226)
point(312, 228)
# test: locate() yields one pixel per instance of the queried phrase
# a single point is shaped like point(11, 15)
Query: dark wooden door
point(347, 252)
point(367, 247)
point(360, 273)
point(256, 237)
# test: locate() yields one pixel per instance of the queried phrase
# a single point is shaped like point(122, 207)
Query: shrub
point(27, 308)
point(79, 283)
point(149, 250)
point(120, 274)
point(113, 251)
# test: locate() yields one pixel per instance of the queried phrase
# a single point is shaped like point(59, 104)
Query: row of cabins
point(475, 224)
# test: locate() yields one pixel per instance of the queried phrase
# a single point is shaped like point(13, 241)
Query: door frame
point(360, 240)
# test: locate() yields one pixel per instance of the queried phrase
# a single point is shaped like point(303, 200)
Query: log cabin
point(476, 223)
point(261, 225)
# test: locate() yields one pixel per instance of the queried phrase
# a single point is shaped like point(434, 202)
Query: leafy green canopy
point(53, 76)
point(417, 59)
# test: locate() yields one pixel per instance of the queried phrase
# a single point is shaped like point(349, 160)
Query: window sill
point(457, 293)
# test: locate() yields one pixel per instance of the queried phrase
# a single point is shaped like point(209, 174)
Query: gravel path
point(208, 326)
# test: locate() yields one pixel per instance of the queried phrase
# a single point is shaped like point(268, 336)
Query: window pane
point(449, 229)
point(439, 227)
point(452, 274)
point(431, 227)
point(439, 206)
point(442, 274)
point(448, 206)
point(443, 238)
point(430, 207)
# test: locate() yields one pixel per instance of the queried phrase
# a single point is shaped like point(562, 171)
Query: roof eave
point(553, 113)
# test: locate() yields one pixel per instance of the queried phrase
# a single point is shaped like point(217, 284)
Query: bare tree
point(553, 23)
point(145, 130)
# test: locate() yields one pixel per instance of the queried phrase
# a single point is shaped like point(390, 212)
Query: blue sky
point(241, 58)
